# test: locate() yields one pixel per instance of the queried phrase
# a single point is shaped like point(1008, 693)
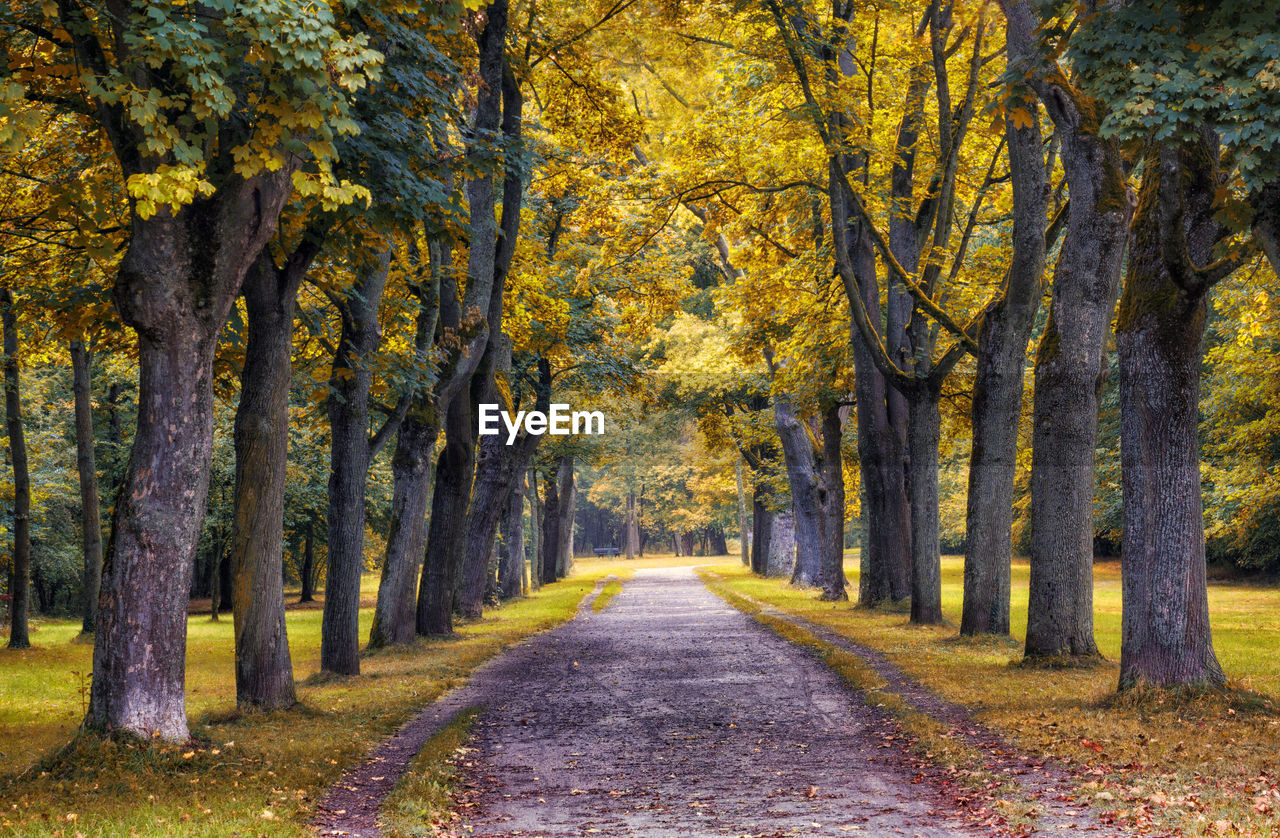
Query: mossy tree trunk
point(1166, 639)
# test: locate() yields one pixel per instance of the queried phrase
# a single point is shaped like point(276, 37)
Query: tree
point(20, 573)
point(208, 174)
point(1069, 360)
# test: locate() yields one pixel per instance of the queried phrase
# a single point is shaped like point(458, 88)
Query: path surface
point(671, 713)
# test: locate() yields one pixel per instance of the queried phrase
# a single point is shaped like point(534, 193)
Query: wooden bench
point(606, 551)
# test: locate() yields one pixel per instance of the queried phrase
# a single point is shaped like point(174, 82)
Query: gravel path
point(670, 713)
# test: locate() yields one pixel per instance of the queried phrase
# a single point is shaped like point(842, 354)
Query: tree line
point(374, 219)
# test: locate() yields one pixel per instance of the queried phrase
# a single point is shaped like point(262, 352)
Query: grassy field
point(253, 775)
point(1203, 765)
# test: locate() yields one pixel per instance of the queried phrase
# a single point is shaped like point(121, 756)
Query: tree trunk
point(549, 550)
point(1166, 639)
point(807, 494)
point(782, 545)
point(496, 472)
point(308, 572)
point(568, 503)
point(1070, 365)
point(448, 524)
point(20, 573)
point(350, 453)
point(744, 521)
point(535, 527)
point(264, 671)
point(511, 553)
point(831, 573)
point(926, 555)
point(175, 287)
point(761, 528)
point(632, 526)
point(394, 615)
point(997, 392)
point(86, 467)
point(716, 545)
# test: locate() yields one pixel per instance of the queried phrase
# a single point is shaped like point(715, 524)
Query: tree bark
point(549, 551)
point(831, 576)
point(487, 264)
point(511, 553)
point(568, 495)
point(762, 516)
point(535, 526)
point(87, 469)
point(498, 468)
point(1070, 365)
point(1166, 639)
point(394, 615)
point(350, 453)
point(807, 494)
point(926, 567)
point(997, 389)
point(448, 524)
point(175, 287)
point(20, 572)
point(264, 671)
point(308, 572)
point(782, 545)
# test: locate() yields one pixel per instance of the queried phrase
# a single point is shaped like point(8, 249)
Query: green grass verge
point(249, 775)
point(422, 803)
point(607, 593)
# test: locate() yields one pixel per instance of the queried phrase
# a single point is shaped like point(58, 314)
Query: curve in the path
point(670, 713)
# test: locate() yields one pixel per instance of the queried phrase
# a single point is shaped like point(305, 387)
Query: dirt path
point(671, 713)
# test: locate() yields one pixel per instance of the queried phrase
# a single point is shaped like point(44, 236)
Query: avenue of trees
point(934, 275)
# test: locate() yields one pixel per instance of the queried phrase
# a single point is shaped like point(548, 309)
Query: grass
point(249, 775)
point(423, 803)
point(1201, 764)
point(607, 593)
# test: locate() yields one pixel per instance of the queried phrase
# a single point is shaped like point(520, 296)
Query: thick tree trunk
point(807, 493)
point(926, 556)
point(782, 546)
point(448, 525)
point(997, 393)
point(549, 549)
point(176, 284)
point(394, 616)
point(511, 553)
point(349, 450)
point(86, 467)
point(717, 546)
point(1070, 365)
point(20, 572)
point(1166, 639)
point(831, 576)
point(264, 671)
